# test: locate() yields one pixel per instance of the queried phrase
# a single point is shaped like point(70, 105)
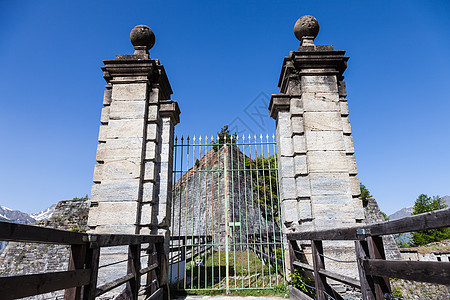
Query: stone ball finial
point(142, 38)
point(306, 29)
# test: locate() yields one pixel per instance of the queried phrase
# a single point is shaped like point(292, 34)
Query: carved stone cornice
point(279, 102)
point(170, 108)
point(312, 60)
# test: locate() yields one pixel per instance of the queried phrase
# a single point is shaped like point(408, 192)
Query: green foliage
point(425, 204)
point(82, 198)
point(302, 282)
point(265, 183)
point(224, 137)
point(385, 216)
point(365, 194)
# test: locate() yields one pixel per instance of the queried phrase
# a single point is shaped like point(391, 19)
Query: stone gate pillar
point(133, 177)
point(317, 169)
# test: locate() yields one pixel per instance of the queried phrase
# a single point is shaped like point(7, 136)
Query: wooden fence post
point(318, 263)
point(133, 267)
point(76, 262)
point(92, 261)
point(367, 287)
point(376, 251)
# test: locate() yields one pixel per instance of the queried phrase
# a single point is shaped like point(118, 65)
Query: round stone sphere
point(142, 35)
point(306, 26)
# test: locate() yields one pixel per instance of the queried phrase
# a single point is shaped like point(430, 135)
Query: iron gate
point(226, 231)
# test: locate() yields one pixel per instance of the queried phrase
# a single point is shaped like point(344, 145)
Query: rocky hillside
point(29, 258)
point(15, 216)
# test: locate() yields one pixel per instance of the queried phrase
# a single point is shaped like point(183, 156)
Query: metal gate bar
point(226, 231)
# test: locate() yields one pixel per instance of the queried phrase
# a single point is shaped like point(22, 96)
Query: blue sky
point(222, 58)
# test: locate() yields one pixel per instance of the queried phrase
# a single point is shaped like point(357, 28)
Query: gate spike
point(243, 138)
point(200, 139)
point(212, 139)
point(194, 139)
point(206, 139)
point(267, 137)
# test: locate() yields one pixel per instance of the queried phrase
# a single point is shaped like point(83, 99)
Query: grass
point(248, 275)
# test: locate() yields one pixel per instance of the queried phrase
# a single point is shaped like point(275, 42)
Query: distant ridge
point(407, 211)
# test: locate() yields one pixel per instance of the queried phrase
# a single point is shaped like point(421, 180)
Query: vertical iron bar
point(265, 209)
point(172, 232)
point(259, 209)
point(227, 269)
point(246, 209)
point(186, 212)
point(233, 230)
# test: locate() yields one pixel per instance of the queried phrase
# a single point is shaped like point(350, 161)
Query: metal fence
point(226, 231)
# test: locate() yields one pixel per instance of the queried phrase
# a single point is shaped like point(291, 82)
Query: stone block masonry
point(133, 177)
point(132, 180)
point(317, 169)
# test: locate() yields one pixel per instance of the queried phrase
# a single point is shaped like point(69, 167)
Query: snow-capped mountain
point(45, 214)
point(15, 216)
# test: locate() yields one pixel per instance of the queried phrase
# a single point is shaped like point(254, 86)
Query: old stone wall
point(202, 194)
point(32, 258)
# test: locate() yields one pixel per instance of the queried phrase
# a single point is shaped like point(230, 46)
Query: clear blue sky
point(220, 56)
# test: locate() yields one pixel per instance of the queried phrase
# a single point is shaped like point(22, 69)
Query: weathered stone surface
point(105, 115)
point(322, 121)
point(150, 150)
point(152, 132)
point(287, 188)
point(354, 184)
point(146, 214)
point(347, 129)
point(299, 144)
point(102, 133)
point(348, 141)
point(153, 113)
point(100, 155)
point(149, 171)
point(330, 184)
point(320, 102)
point(119, 213)
point(305, 209)
point(352, 170)
point(301, 166)
point(122, 148)
point(297, 125)
point(296, 107)
point(129, 91)
point(327, 161)
point(284, 125)
point(289, 211)
point(319, 84)
point(286, 167)
point(107, 97)
point(127, 110)
point(303, 186)
point(115, 191)
point(117, 229)
point(126, 128)
point(129, 168)
point(285, 146)
point(324, 141)
point(98, 170)
point(148, 192)
point(344, 108)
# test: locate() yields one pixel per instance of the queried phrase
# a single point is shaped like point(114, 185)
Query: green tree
point(422, 205)
point(365, 194)
point(223, 137)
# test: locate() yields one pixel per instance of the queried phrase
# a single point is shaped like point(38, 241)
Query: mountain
point(402, 213)
point(407, 211)
point(15, 216)
point(45, 214)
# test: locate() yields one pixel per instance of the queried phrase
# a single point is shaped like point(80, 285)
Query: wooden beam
point(76, 262)
point(29, 285)
point(319, 280)
point(148, 269)
point(333, 234)
point(108, 240)
point(424, 271)
point(341, 278)
point(376, 251)
point(113, 284)
point(296, 294)
point(430, 220)
point(367, 287)
point(30, 233)
point(158, 295)
point(92, 261)
point(303, 265)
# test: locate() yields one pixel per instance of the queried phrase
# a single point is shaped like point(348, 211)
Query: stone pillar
point(133, 176)
point(317, 169)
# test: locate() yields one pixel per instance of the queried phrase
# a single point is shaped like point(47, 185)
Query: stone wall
point(200, 196)
point(32, 258)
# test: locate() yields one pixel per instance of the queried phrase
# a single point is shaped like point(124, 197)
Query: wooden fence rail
point(80, 280)
point(374, 270)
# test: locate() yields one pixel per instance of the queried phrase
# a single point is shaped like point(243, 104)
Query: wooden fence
point(80, 280)
point(374, 269)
